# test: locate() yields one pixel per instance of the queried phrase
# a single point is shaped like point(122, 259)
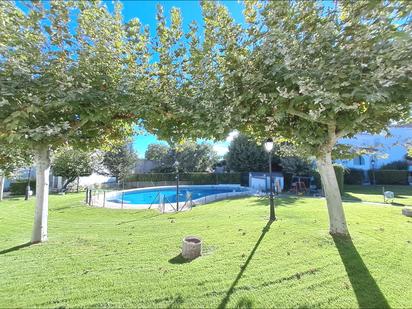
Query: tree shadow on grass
point(176, 303)
point(225, 300)
point(349, 197)
point(16, 248)
point(283, 201)
point(368, 293)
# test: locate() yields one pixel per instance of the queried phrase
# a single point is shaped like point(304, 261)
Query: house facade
point(379, 149)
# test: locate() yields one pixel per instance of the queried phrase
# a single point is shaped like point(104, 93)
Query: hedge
point(401, 165)
point(317, 179)
point(390, 177)
point(339, 171)
point(353, 176)
point(287, 177)
point(19, 188)
point(195, 178)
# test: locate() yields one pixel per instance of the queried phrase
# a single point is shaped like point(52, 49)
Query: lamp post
point(177, 184)
point(269, 148)
point(373, 171)
point(28, 189)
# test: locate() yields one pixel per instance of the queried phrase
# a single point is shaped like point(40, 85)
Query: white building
point(56, 182)
point(261, 181)
point(381, 148)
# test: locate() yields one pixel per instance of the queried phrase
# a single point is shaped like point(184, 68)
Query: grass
point(112, 258)
point(403, 194)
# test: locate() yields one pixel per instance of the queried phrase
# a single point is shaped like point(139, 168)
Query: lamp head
point(269, 145)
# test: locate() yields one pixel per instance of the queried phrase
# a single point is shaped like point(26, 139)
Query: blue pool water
point(149, 196)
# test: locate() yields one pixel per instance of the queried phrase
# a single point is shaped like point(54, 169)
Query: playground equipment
point(300, 184)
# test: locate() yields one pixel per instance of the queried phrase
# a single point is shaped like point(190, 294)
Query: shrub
point(401, 165)
point(287, 177)
point(19, 187)
point(317, 179)
point(296, 165)
point(339, 171)
point(353, 176)
point(390, 177)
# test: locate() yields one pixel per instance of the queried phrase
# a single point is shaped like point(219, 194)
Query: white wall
point(388, 148)
point(262, 183)
point(94, 179)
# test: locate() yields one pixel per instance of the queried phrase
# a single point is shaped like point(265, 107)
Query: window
point(359, 160)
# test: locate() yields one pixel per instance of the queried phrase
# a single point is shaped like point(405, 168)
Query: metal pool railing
point(116, 199)
point(99, 198)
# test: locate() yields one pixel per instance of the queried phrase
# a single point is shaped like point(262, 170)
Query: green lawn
point(403, 194)
point(114, 258)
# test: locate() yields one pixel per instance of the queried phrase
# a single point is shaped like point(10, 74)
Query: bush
point(353, 176)
point(339, 171)
point(401, 165)
point(317, 179)
point(195, 178)
point(390, 177)
point(287, 177)
point(19, 188)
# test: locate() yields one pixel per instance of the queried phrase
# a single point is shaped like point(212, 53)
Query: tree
point(192, 157)
point(72, 164)
point(196, 157)
point(12, 157)
point(297, 70)
point(67, 70)
point(156, 152)
point(120, 161)
point(296, 165)
point(246, 155)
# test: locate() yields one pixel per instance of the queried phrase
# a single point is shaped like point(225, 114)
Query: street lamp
point(269, 148)
point(28, 189)
point(176, 164)
point(373, 170)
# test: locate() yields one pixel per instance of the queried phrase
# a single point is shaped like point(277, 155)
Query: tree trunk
point(66, 183)
point(337, 221)
point(2, 180)
point(42, 156)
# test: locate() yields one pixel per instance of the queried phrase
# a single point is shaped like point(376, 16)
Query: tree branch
point(344, 132)
point(305, 116)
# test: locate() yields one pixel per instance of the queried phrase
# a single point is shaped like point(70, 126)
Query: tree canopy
point(11, 159)
point(156, 152)
point(192, 157)
point(69, 73)
point(72, 164)
point(245, 155)
point(120, 161)
point(302, 71)
point(62, 86)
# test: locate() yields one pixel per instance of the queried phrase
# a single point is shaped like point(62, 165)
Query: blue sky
point(146, 12)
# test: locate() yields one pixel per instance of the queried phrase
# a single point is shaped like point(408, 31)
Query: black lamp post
point(28, 189)
point(373, 171)
point(269, 148)
point(177, 184)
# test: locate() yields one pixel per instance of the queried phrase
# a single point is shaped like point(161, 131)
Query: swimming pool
point(152, 195)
